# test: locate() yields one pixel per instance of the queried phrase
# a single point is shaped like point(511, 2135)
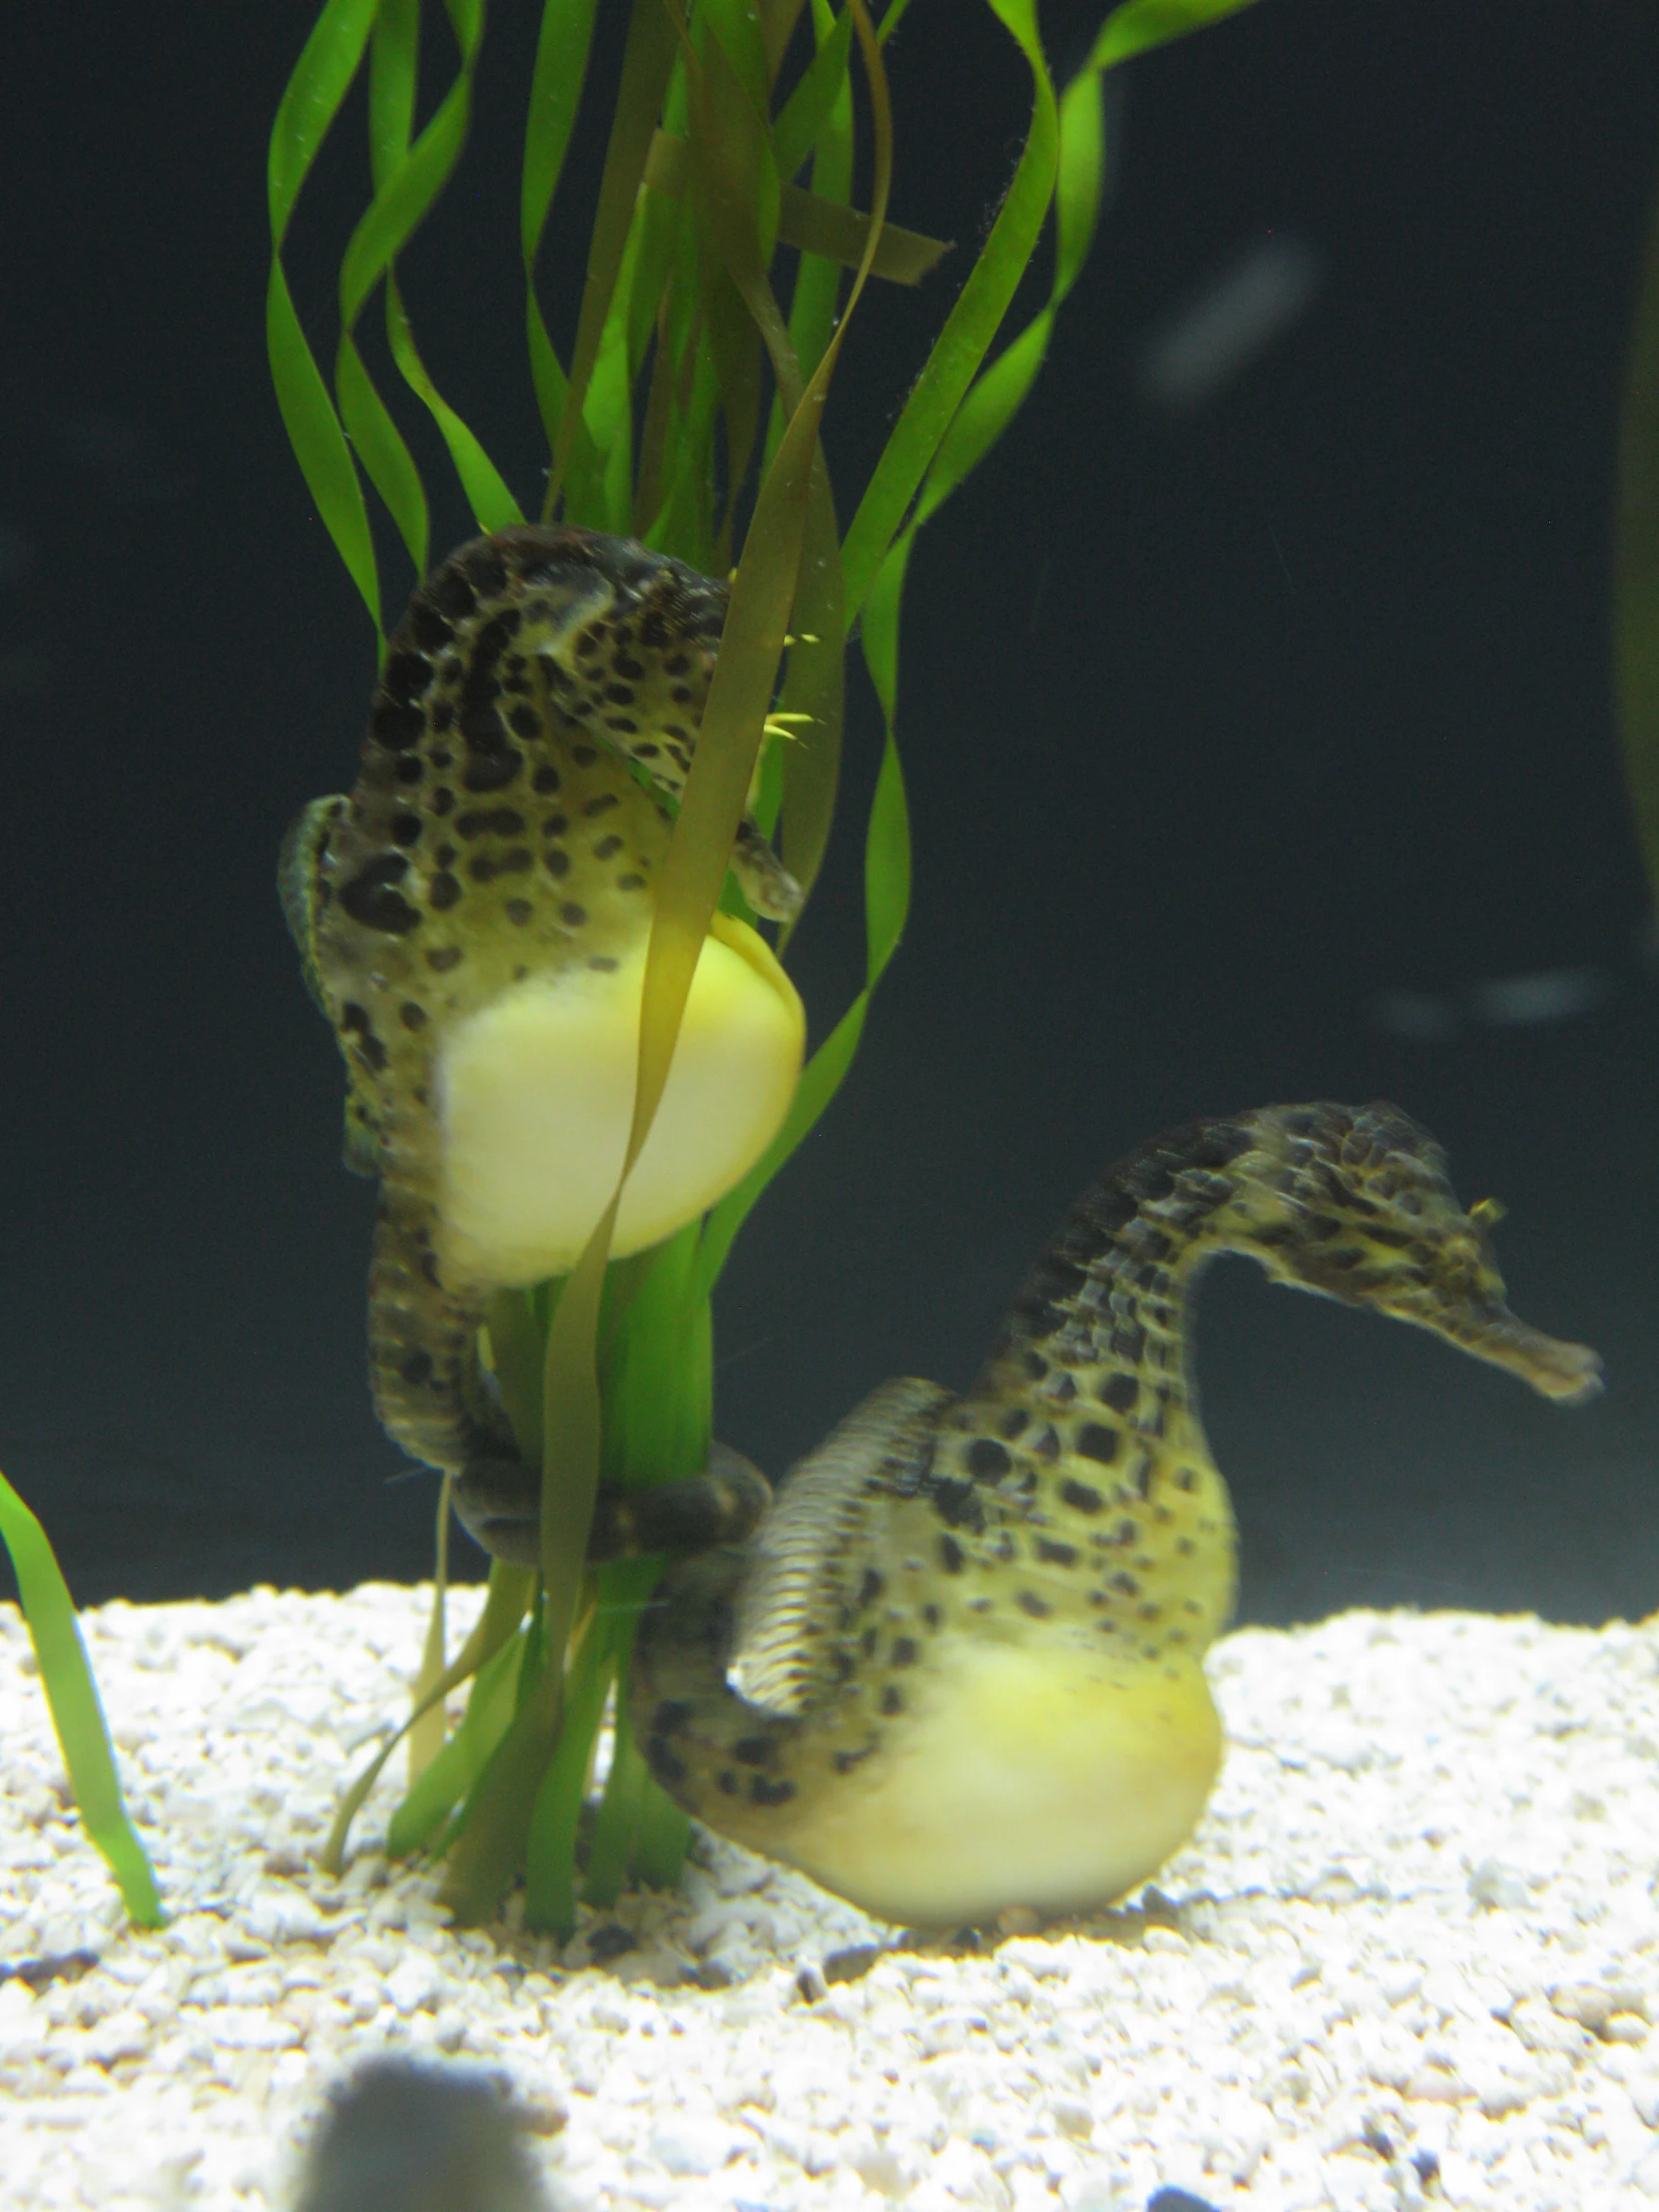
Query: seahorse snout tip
point(1567, 1374)
point(1571, 1375)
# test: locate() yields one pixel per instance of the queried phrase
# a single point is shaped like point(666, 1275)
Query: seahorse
point(960, 1667)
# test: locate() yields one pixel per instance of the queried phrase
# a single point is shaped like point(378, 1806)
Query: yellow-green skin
point(496, 832)
point(959, 1669)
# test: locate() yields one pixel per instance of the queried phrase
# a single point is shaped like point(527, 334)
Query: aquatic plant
point(655, 434)
point(77, 1715)
point(688, 416)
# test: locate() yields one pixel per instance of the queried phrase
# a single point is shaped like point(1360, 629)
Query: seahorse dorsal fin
point(789, 1605)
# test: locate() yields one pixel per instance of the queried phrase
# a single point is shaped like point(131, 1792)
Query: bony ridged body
point(960, 1670)
point(473, 918)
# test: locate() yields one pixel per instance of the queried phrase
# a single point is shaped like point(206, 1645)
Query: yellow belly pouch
point(535, 1093)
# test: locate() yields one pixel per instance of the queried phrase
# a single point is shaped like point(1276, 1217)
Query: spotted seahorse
point(473, 917)
point(960, 1667)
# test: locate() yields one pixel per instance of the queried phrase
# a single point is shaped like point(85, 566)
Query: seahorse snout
point(1570, 1373)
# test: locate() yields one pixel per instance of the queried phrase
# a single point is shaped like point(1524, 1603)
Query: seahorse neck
point(1102, 1320)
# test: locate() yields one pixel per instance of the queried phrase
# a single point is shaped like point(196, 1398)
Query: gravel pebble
point(1410, 1957)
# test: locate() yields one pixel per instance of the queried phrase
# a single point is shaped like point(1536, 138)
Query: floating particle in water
point(1552, 994)
point(1186, 362)
point(1414, 1014)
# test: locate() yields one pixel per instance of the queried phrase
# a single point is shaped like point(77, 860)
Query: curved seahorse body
point(473, 917)
point(960, 1668)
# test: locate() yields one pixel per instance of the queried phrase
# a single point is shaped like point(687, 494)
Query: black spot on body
point(452, 595)
point(1029, 1602)
point(770, 1789)
point(372, 900)
point(406, 677)
point(666, 1765)
point(486, 570)
point(987, 1461)
point(893, 1700)
point(416, 1367)
point(412, 1014)
point(445, 890)
point(491, 769)
point(1054, 1555)
point(1097, 1443)
point(1118, 1393)
point(957, 1505)
point(396, 727)
point(427, 626)
point(1152, 1178)
point(495, 822)
point(904, 1651)
point(951, 1555)
point(753, 1751)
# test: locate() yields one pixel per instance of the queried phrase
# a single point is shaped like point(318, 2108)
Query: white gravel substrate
point(1410, 1958)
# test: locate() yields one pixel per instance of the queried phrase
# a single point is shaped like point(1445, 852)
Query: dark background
point(1220, 727)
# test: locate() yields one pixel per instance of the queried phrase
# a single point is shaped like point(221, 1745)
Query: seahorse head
point(1368, 1215)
